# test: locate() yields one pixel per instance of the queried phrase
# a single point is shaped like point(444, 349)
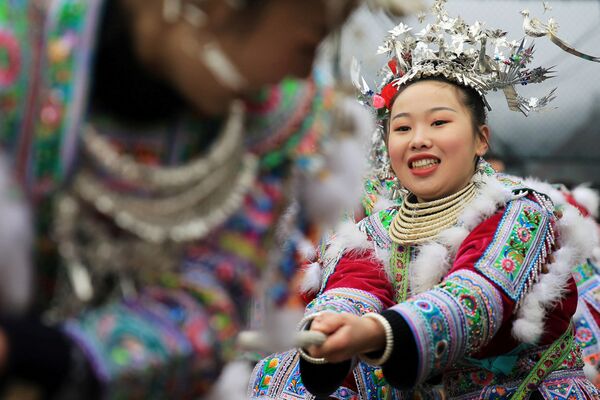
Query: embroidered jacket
point(586, 274)
point(472, 311)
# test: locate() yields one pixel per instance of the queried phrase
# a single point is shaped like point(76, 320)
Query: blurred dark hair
point(121, 86)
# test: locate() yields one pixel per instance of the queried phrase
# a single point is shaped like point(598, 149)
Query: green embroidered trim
point(399, 262)
point(61, 68)
point(550, 360)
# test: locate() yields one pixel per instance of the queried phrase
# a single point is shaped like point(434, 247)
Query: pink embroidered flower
point(584, 335)
point(524, 234)
point(9, 68)
point(508, 265)
point(378, 102)
point(482, 377)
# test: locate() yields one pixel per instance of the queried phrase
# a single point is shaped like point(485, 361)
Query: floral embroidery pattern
point(456, 318)
point(587, 333)
point(372, 384)
point(278, 377)
point(518, 249)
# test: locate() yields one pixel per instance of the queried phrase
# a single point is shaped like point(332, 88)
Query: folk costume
point(586, 275)
point(474, 291)
point(150, 241)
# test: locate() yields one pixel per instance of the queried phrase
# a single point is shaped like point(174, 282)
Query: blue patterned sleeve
point(456, 318)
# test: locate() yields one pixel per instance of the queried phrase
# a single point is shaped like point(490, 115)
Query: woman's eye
point(439, 123)
point(402, 129)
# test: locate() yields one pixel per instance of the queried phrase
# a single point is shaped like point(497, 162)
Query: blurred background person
point(160, 202)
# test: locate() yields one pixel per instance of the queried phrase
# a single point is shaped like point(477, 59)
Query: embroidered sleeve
point(358, 285)
point(514, 258)
point(354, 301)
point(454, 319)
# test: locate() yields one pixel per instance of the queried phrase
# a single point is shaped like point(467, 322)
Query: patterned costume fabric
point(586, 322)
point(170, 339)
point(460, 327)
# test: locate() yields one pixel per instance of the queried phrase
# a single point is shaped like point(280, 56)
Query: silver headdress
point(483, 59)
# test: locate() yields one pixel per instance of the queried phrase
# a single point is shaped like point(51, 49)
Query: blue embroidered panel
point(515, 253)
point(454, 319)
point(354, 301)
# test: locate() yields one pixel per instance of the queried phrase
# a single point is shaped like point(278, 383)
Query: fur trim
point(383, 203)
point(452, 238)
point(528, 330)
point(529, 325)
point(596, 255)
point(492, 195)
point(311, 282)
point(233, 382)
point(576, 244)
point(579, 310)
point(347, 238)
point(577, 232)
point(590, 372)
point(588, 198)
point(343, 157)
point(16, 238)
point(544, 187)
point(306, 249)
point(429, 267)
point(383, 256)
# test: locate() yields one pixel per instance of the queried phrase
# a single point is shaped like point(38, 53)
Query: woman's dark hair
point(469, 97)
point(121, 86)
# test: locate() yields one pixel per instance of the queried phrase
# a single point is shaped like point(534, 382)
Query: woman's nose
point(420, 139)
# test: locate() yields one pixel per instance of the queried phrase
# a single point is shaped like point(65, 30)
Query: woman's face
point(265, 42)
point(431, 141)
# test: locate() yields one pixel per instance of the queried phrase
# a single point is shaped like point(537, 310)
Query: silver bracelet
point(389, 340)
point(302, 326)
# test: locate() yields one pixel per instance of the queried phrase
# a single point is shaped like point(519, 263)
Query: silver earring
point(171, 11)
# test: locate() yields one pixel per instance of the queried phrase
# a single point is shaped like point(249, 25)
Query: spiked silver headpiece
point(483, 59)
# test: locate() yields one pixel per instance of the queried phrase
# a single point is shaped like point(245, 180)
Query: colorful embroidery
point(127, 345)
point(399, 263)
point(57, 129)
point(278, 377)
point(16, 43)
point(456, 318)
point(344, 394)
point(568, 385)
point(481, 304)
point(329, 265)
point(518, 249)
point(549, 361)
point(354, 301)
point(587, 333)
point(376, 227)
point(588, 285)
point(372, 385)
point(467, 383)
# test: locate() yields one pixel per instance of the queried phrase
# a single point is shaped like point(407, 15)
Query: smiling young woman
point(462, 289)
point(434, 140)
